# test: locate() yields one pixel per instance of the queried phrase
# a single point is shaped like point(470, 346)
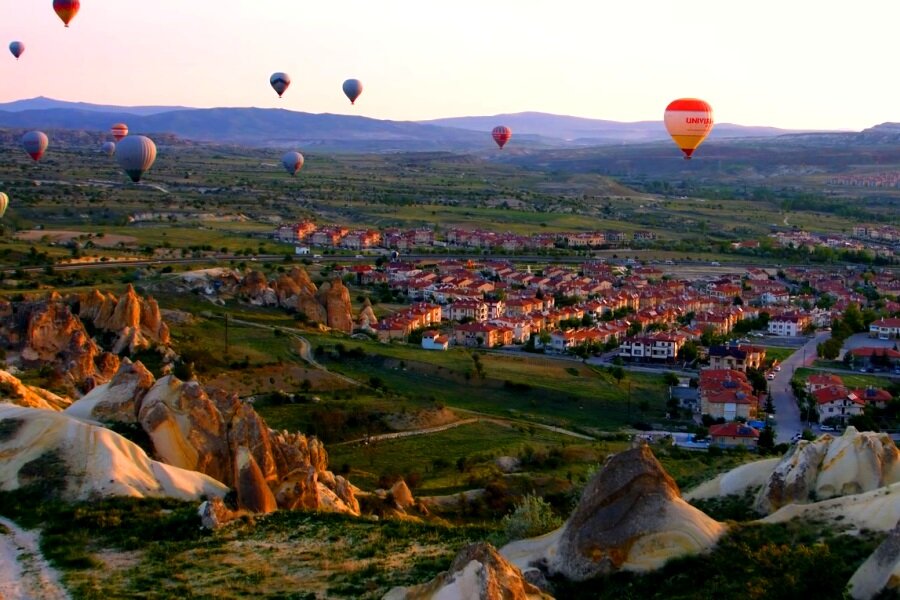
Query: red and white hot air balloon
point(501, 135)
point(119, 131)
point(689, 121)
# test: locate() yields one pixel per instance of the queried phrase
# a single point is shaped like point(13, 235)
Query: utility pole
point(226, 335)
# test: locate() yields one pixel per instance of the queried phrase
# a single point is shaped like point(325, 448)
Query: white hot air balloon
point(135, 154)
point(108, 148)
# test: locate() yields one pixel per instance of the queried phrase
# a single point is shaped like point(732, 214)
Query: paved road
point(787, 413)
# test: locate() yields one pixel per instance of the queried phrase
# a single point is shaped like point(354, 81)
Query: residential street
point(787, 413)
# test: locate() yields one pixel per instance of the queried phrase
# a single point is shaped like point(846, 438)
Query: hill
point(583, 131)
point(332, 132)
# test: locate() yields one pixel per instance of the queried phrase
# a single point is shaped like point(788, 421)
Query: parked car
point(770, 376)
point(777, 367)
point(826, 428)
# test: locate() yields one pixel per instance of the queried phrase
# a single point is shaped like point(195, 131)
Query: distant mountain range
point(329, 132)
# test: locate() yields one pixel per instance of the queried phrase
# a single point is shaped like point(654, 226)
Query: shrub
point(533, 516)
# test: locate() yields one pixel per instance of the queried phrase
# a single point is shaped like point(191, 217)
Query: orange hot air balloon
point(501, 135)
point(689, 121)
point(119, 131)
point(66, 9)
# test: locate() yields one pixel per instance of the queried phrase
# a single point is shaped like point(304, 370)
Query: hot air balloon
point(108, 148)
point(689, 121)
point(4, 203)
point(66, 9)
point(501, 135)
point(119, 131)
point(135, 154)
point(17, 48)
point(353, 88)
point(280, 82)
point(35, 144)
point(293, 162)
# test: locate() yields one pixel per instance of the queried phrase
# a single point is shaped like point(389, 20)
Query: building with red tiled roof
point(876, 397)
point(837, 403)
point(817, 382)
point(727, 394)
point(731, 435)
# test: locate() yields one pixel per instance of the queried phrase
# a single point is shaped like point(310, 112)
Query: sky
point(798, 64)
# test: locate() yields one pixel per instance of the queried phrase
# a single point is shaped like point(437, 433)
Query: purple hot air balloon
point(17, 48)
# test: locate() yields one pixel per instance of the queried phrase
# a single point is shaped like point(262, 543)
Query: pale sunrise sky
point(787, 63)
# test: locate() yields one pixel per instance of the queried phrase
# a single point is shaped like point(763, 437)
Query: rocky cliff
point(630, 517)
point(830, 467)
point(136, 321)
point(479, 572)
point(215, 433)
point(46, 333)
point(335, 298)
point(72, 460)
point(880, 573)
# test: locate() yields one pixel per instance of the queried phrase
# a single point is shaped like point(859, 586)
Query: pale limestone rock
point(87, 461)
point(479, 572)
point(403, 498)
point(14, 391)
point(830, 467)
point(880, 572)
point(735, 482)
point(630, 517)
point(117, 401)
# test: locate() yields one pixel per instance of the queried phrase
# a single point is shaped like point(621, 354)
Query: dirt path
point(24, 573)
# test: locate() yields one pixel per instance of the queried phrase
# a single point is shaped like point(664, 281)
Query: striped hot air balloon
point(108, 148)
point(66, 9)
point(35, 144)
point(280, 82)
point(4, 204)
point(119, 131)
point(135, 154)
point(501, 135)
point(17, 48)
point(353, 88)
point(688, 121)
point(293, 162)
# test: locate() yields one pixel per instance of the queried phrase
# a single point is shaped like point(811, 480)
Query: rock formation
point(367, 319)
point(219, 435)
point(14, 391)
point(255, 289)
point(73, 460)
point(118, 400)
point(736, 482)
point(830, 467)
point(46, 332)
point(479, 572)
point(880, 572)
point(630, 517)
point(136, 321)
point(335, 297)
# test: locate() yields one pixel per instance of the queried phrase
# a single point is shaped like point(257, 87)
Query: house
point(658, 346)
point(688, 397)
point(482, 335)
point(885, 329)
point(739, 358)
point(789, 324)
point(475, 310)
point(876, 356)
point(874, 396)
point(433, 340)
point(727, 394)
point(818, 382)
point(733, 435)
point(838, 403)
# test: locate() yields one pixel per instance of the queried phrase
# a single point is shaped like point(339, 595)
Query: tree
point(670, 378)
point(766, 442)
point(769, 407)
point(618, 374)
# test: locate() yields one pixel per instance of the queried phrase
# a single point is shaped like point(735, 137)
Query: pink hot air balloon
point(501, 135)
